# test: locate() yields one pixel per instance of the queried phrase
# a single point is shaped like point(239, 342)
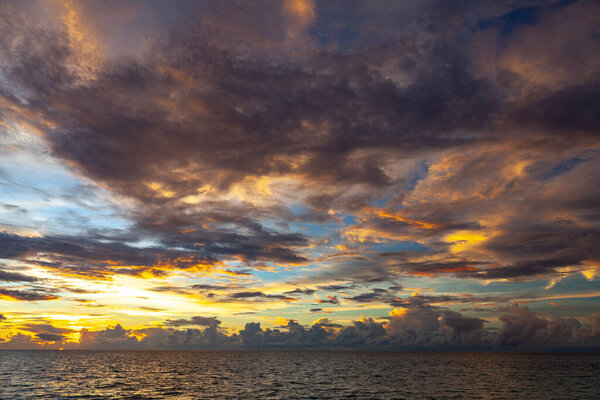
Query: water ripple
point(295, 375)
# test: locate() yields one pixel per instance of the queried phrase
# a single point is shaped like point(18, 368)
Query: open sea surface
point(295, 375)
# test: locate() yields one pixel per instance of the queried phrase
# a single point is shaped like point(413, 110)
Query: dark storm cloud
point(241, 114)
point(208, 106)
point(574, 109)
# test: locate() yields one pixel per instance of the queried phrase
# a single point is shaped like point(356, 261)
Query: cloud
point(89, 257)
point(335, 288)
point(7, 276)
point(419, 327)
point(20, 341)
point(330, 300)
point(116, 337)
point(376, 294)
point(523, 329)
point(304, 149)
point(250, 295)
point(195, 320)
point(301, 291)
point(227, 121)
point(26, 295)
point(45, 328)
point(50, 337)
point(44, 334)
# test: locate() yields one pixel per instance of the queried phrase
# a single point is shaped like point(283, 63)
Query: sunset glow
point(299, 174)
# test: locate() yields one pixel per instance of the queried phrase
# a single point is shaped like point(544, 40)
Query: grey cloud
point(329, 300)
point(19, 341)
point(252, 336)
point(50, 337)
point(307, 292)
point(426, 327)
point(336, 288)
point(87, 256)
point(209, 338)
point(416, 328)
point(47, 332)
point(204, 107)
point(208, 287)
point(523, 329)
point(250, 240)
point(365, 333)
point(374, 295)
point(8, 276)
point(27, 295)
point(195, 320)
point(45, 328)
point(115, 337)
point(572, 109)
point(250, 295)
point(245, 95)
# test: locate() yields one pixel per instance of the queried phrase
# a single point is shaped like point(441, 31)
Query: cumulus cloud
point(422, 327)
point(523, 329)
point(20, 341)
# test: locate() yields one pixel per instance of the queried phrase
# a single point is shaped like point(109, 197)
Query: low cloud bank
point(421, 328)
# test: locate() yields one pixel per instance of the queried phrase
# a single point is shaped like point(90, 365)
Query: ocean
point(296, 375)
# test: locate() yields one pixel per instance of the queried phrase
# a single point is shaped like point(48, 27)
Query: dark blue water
point(295, 375)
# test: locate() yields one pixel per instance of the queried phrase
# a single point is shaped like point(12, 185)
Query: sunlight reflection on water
point(288, 375)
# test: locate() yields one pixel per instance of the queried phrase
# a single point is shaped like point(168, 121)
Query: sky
point(300, 174)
